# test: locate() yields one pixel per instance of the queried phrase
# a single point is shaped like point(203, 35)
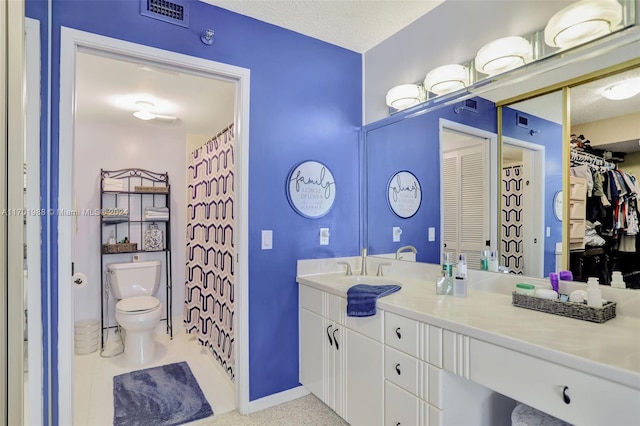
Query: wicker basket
point(119, 248)
point(566, 309)
point(158, 189)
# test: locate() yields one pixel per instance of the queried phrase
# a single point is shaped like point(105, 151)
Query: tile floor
point(93, 377)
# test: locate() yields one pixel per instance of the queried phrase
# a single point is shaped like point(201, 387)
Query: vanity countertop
point(610, 350)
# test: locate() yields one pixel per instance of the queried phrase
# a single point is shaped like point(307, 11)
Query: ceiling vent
point(174, 12)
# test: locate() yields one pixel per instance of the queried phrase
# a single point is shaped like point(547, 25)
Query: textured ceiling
point(356, 25)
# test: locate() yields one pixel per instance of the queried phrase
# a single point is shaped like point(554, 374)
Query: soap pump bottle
point(460, 283)
point(594, 295)
point(112, 238)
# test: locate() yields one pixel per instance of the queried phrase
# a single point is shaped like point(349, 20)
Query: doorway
point(522, 205)
point(468, 198)
point(77, 129)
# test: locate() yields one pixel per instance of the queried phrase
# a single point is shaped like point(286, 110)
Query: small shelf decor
point(566, 309)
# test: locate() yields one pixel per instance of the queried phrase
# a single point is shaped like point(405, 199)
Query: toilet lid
point(137, 304)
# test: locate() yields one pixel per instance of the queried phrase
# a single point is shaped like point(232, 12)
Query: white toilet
point(138, 312)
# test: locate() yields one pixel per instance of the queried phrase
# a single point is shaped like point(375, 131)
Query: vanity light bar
point(576, 24)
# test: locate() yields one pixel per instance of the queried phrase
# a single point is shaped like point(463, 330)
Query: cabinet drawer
point(400, 407)
point(401, 369)
point(401, 333)
point(310, 298)
point(371, 327)
point(541, 384)
point(576, 229)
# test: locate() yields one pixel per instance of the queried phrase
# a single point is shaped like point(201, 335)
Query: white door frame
point(34, 226)
point(72, 41)
point(538, 208)
point(493, 172)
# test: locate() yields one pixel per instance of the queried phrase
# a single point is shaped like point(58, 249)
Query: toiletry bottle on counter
point(447, 262)
point(461, 266)
point(493, 261)
point(484, 259)
point(112, 237)
point(594, 295)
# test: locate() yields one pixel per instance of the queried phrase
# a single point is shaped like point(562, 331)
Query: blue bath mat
point(160, 396)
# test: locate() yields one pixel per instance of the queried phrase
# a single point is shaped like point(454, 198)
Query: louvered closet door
point(466, 198)
point(450, 201)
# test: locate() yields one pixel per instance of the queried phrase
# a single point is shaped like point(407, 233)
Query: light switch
point(396, 234)
point(267, 239)
point(432, 234)
point(548, 231)
point(324, 236)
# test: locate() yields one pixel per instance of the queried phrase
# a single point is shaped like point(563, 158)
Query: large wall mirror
point(516, 197)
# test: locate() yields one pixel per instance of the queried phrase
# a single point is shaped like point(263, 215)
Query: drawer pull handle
point(398, 333)
point(398, 424)
point(565, 395)
point(398, 369)
point(329, 336)
point(335, 339)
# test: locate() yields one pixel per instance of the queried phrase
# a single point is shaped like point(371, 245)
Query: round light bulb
point(446, 79)
point(581, 22)
point(503, 55)
point(404, 96)
point(624, 90)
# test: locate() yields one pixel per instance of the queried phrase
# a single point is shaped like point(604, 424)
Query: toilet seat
point(137, 305)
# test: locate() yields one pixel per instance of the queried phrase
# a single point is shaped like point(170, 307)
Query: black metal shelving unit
point(134, 202)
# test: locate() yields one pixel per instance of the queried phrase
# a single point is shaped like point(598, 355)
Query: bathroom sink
point(367, 279)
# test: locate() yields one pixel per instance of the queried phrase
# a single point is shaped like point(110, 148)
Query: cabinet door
point(335, 364)
point(312, 340)
point(365, 380)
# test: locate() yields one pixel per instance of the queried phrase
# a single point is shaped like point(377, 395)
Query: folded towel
point(361, 298)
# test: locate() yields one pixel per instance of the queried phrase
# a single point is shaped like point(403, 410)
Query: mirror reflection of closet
point(605, 152)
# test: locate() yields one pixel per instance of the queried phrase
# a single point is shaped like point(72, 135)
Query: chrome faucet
point(363, 263)
point(348, 272)
point(380, 265)
point(402, 249)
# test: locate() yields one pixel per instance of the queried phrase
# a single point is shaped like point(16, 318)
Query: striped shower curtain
point(512, 243)
point(209, 287)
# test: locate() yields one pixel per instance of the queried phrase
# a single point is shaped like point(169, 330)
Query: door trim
point(71, 41)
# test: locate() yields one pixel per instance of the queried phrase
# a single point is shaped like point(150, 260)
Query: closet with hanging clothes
point(611, 241)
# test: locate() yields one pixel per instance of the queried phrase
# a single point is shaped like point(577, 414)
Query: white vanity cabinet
point(575, 396)
point(341, 365)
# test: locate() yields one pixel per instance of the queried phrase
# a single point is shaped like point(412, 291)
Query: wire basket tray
point(566, 309)
point(119, 248)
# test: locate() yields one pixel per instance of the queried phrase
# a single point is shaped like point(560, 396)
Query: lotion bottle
point(594, 295)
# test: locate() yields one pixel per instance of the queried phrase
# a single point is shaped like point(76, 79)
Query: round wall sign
point(557, 205)
point(311, 189)
point(404, 194)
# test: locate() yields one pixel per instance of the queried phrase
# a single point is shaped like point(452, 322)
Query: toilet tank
point(134, 278)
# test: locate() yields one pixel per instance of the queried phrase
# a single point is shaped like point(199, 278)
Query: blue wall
point(305, 104)
point(412, 144)
point(549, 134)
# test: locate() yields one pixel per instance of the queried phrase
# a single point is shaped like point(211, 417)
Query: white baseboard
point(276, 399)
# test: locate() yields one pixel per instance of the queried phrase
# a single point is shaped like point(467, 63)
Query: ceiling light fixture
point(623, 90)
point(581, 22)
point(446, 79)
point(404, 96)
point(503, 54)
point(144, 111)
